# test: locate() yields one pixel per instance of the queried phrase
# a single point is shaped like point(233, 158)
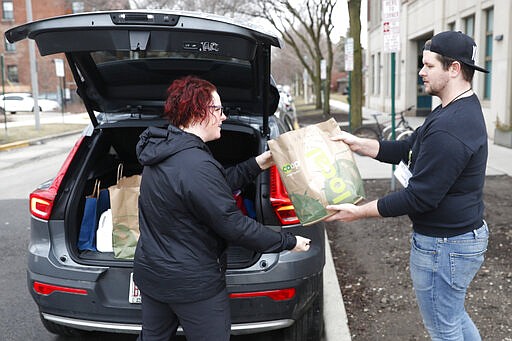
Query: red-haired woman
point(188, 215)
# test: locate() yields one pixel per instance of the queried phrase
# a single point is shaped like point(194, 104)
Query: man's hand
point(351, 212)
point(361, 146)
point(345, 212)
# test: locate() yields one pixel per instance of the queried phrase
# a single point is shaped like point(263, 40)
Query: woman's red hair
point(187, 101)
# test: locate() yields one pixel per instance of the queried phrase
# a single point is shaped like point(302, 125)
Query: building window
point(7, 10)
point(372, 73)
point(489, 23)
point(374, 14)
point(77, 7)
point(398, 75)
point(378, 70)
point(12, 73)
point(386, 74)
point(9, 47)
point(451, 26)
point(469, 26)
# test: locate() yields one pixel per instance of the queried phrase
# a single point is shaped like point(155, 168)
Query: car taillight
point(276, 295)
point(47, 289)
point(280, 201)
point(41, 200)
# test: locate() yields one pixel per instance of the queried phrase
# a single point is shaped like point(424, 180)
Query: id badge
point(403, 174)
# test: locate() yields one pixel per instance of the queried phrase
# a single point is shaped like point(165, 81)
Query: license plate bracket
point(134, 294)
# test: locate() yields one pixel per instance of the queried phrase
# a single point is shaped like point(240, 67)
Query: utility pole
point(391, 44)
point(33, 68)
point(3, 92)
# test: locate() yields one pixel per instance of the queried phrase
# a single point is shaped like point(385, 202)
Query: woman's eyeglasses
point(217, 108)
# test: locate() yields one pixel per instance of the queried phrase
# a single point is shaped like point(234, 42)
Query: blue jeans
point(441, 270)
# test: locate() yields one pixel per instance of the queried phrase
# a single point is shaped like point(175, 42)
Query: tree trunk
point(356, 86)
point(317, 84)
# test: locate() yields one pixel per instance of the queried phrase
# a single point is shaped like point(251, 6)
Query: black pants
point(208, 320)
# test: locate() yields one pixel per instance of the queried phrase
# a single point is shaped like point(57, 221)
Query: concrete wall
point(419, 20)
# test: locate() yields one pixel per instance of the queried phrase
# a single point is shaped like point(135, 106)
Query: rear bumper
point(236, 329)
point(98, 312)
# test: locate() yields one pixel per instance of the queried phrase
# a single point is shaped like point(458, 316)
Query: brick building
point(16, 56)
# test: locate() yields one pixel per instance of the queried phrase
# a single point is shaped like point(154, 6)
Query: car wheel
point(310, 326)
point(59, 329)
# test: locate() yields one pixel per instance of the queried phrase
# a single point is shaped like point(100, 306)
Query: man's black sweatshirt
point(447, 157)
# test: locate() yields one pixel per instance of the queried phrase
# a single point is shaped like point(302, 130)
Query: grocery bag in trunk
point(124, 202)
point(316, 171)
point(95, 205)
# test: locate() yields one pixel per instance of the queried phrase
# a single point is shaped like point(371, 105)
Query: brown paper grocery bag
point(316, 171)
point(124, 202)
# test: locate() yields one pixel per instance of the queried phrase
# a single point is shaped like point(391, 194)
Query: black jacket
point(187, 214)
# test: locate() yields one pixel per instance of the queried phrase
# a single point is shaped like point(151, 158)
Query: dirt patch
point(372, 263)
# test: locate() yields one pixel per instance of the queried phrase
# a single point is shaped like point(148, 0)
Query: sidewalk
point(498, 162)
point(47, 118)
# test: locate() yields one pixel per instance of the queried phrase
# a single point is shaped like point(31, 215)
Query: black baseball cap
point(456, 45)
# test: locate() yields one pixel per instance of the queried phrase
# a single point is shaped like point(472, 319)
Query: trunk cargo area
point(100, 155)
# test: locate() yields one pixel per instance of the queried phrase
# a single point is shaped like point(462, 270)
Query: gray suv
point(123, 62)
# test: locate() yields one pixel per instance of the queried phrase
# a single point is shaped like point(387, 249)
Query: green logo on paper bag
point(290, 167)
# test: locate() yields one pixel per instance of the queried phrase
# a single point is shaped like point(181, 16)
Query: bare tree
point(306, 28)
point(356, 86)
point(222, 7)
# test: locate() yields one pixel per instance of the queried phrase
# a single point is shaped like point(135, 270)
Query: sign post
point(3, 92)
point(349, 67)
point(391, 36)
point(59, 72)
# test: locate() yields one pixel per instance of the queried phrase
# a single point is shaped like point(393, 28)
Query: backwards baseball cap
point(456, 45)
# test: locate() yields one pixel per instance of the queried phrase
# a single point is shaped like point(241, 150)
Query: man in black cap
point(442, 167)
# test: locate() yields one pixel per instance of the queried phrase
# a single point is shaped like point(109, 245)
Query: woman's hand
point(302, 244)
point(265, 160)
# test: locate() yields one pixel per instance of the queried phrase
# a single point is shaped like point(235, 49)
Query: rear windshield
point(101, 57)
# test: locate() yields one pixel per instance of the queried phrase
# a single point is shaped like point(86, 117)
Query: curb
point(12, 145)
point(26, 143)
point(335, 316)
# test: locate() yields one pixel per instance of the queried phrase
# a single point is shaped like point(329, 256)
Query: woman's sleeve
point(211, 197)
point(242, 174)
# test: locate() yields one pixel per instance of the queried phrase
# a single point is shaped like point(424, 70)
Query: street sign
point(59, 67)
point(323, 69)
point(349, 54)
point(391, 25)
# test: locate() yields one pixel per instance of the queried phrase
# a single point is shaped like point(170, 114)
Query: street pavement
point(335, 318)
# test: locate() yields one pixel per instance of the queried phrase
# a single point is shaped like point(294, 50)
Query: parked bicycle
point(385, 132)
